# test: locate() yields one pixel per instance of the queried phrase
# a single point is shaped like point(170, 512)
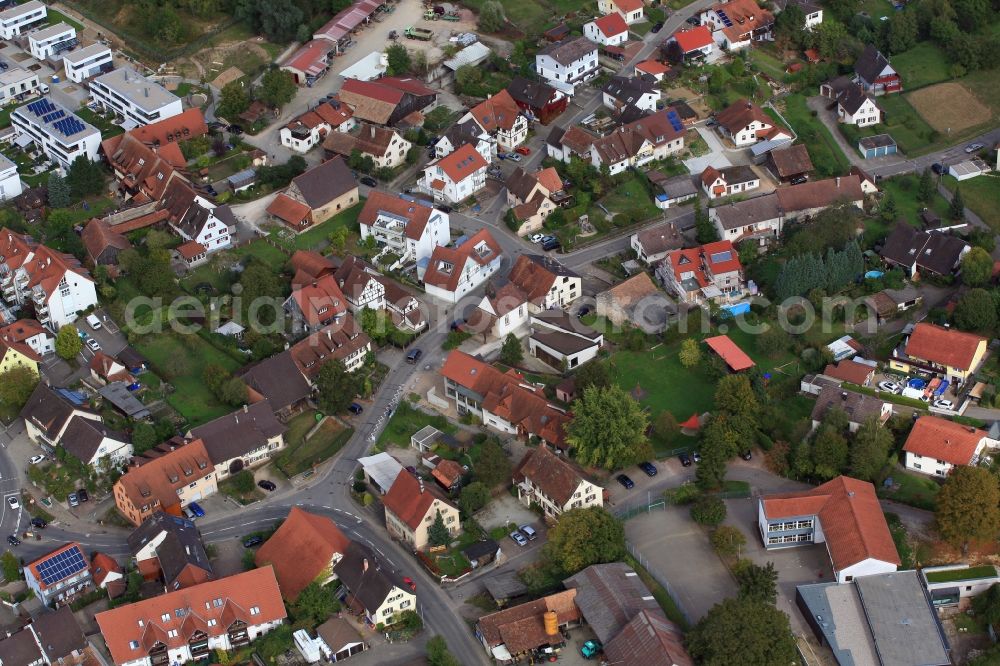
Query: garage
point(879, 145)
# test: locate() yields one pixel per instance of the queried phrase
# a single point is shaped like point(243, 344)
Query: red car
point(409, 582)
point(524, 150)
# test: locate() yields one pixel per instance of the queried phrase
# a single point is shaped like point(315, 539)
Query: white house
point(745, 123)
point(50, 42)
point(637, 95)
point(936, 446)
point(10, 182)
point(311, 127)
point(18, 19)
point(856, 107)
point(57, 132)
point(466, 132)
point(56, 283)
point(727, 181)
point(15, 83)
point(609, 30)
point(453, 272)
point(134, 97)
point(499, 116)
point(564, 64)
point(197, 219)
point(410, 227)
point(28, 331)
point(91, 442)
point(630, 10)
point(642, 141)
point(371, 583)
point(555, 485)
point(560, 340)
point(384, 145)
point(59, 575)
point(844, 514)
point(455, 177)
point(89, 61)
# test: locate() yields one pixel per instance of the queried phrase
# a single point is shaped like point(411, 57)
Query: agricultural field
point(949, 107)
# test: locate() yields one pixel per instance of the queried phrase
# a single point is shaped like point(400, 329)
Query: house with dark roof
point(565, 64)
point(514, 633)
point(339, 639)
point(364, 287)
point(371, 586)
point(844, 514)
point(565, 144)
point(637, 301)
point(929, 252)
point(467, 132)
point(279, 381)
point(411, 508)
point(791, 163)
point(243, 439)
point(384, 145)
point(632, 96)
point(930, 349)
point(674, 190)
point(728, 181)
point(452, 272)
point(859, 407)
point(854, 105)
point(342, 341)
point(169, 549)
point(935, 446)
point(316, 195)
point(560, 340)
point(92, 443)
point(531, 197)
point(554, 484)
point(387, 100)
point(537, 99)
point(305, 549)
point(50, 639)
point(710, 272)
point(652, 244)
point(102, 243)
point(874, 74)
point(653, 137)
point(409, 227)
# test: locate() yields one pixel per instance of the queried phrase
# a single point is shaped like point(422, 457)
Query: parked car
point(82, 495)
point(890, 387)
point(93, 344)
point(584, 311)
point(34, 460)
point(685, 459)
point(514, 157)
point(648, 467)
point(13, 503)
point(518, 538)
point(443, 208)
point(528, 531)
point(746, 455)
point(235, 129)
point(40, 523)
point(94, 322)
point(13, 540)
point(501, 156)
point(937, 168)
point(552, 244)
point(658, 26)
point(188, 513)
point(941, 403)
point(694, 20)
point(409, 583)
point(73, 499)
point(414, 355)
point(798, 180)
point(625, 481)
point(253, 541)
point(196, 510)
point(537, 238)
point(355, 408)
point(973, 147)
point(369, 181)
point(696, 456)
point(269, 486)
point(524, 150)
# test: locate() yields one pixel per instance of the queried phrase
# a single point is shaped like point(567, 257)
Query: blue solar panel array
point(62, 566)
point(55, 115)
point(675, 121)
point(69, 125)
point(725, 19)
point(41, 107)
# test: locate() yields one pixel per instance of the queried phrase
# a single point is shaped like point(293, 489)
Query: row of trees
point(833, 450)
point(803, 273)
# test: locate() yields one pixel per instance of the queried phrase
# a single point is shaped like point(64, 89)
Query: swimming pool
point(737, 308)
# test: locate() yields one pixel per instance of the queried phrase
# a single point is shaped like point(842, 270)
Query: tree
point(59, 191)
point(233, 100)
point(829, 452)
point(493, 467)
point(492, 16)
point(772, 342)
point(16, 386)
point(608, 428)
point(474, 497)
point(888, 208)
point(705, 231)
point(277, 87)
point(976, 311)
point(438, 654)
point(68, 342)
point(956, 210)
point(757, 583)
point(583, 537)
point(85, 178)
point(728, 540)
point(243, 481)
point(437, 533)
point(144, 437)
point(690, 353)
point(902, 31)
point(468, 75)
point(870, 450)
point(977, 267)
point(594, 373)
point(967, 507)
point(665, 425)
point(10, 567)
point(735, 395)
point(511, 352)
point(743, 631)
point(262, 292)
point(925, 189)
point(314, 604)
point(708, 510)
point(398, 59)
point(336, 387)
point(711, 470)
point(278, 20)
point(789, 26)
point(985, 605)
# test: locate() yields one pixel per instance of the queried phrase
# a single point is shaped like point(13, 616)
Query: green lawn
point(767, 63)
point(907, 127)
point(981, 196)
point(408, 420)
point(530, 16)
point(265, 252)
point(914, 489)
point(206, 274)
point(667, 385)
point(631, 195)
point(108, 128)
point(181, 362)
point(824, 151)
point(316, 237)
point(55, 16)
point(904, 192)
point(303, 454)
point(923, 65)
point(696, 145)
point(951, 575)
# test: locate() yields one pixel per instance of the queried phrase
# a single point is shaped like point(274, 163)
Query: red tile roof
point(439, 276)
point(289, 210)
point(311, 58)
point(187, 125)
point(734, 357)
point(320, 301)
point(44, 266)
point(416, 214)
point(159, 478)
point(612, 25)
point(498, 112)
point(549, 179)
point(311, 263)
point(555, 477)
point(190, 250)
point(695, 38)
point(850, 371)
point(101, 566)
point(98, 235)
point(741, 113)
point(22, 330)
point(522, 628)
point(850, 516)
point(653, 67)
point(447, 472)
point(944, 346)
point(251, 597)
point(627, 6)
point(336, 341)
point(301, 550)
point(941, 439)
point(409, 499)
point(705, 260)
point(462, 163)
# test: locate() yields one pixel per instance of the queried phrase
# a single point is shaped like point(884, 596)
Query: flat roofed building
point(16, 83)
point(10, 182)
point(50, 42)
point(89, 61)
point(134, 97)
point(59, 134)
point(20, 18)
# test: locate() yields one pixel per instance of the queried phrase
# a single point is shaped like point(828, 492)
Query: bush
point(708, 510)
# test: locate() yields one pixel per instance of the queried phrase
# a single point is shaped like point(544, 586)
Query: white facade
point(593, 32)
point(74, 292)
point(814, 18)
point(746, 136)
point(10, 182)
point(580, 70)
point(115, 451)
point(868, 567)
point(16, 82)
point(511, 321)
point(84, 63)
point(18, 19)
point(134, 97)
point(629, 13)
point(646, 101)
point(452, 191)
point(646, 153)
point(471, 275)
point(389, 230)
point(51, 41)
point(485, 145)
point(213, 234)
point(61, 142)
point(585, 494)
point(58, 590)
point(867, 114)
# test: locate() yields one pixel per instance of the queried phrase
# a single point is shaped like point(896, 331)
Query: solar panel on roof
point(725, 19)
point(61, 566)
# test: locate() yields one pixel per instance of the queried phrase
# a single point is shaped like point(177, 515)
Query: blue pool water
point(737, 309)
point(873, 275)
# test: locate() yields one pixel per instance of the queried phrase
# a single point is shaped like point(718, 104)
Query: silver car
point(973, 147)
point(518, 538)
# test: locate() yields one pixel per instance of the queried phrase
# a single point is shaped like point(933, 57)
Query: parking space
point(717, 156)
point(927, 389)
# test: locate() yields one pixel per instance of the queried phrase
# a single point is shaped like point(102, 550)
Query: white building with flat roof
point(10, 182)
point(15, 82)
point(134, 97)
point(52, 41)
point(19, 19)
point(89, 61)
point(57, 132)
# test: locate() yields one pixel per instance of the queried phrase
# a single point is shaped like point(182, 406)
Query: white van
point(44, 87)
point(916, 394)
point(94, 322)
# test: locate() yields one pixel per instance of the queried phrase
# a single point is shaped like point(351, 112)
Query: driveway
point(717, 156)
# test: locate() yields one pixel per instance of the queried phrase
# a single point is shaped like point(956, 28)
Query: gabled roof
point(853, 97)
point(534, 94)
point(44, 266)
point(944, 346)
point(609, 596)
point(928, 250)
point(23, 330)
point(336, 341)
point(521, 628)
point(859, 407)
point(631, 291)
point(650, 639)
point(462, 163)
point(569, 51)
point(410, 500)
point(695, 38)
point(498, 112)
point(324, 183)
point(820, 193)
point(160, 472)
point(363, 573)
point(98, 236)
point(49, 411)
point(611, 25)
point(445, 267)
point(19, 649)
point(550, 473)
point(319, 301)
point(276, 379)
point(240, 432)
point(738, 115)
point(729, 352)
point(226, 601)
point(367, 139)
point(851, 517)
point(941, 439)
point(626, 6)
point(83, 437)
point(302, 550)
point(791, 161)
point(850, 371)
point(661, 238)
point(312, 263)
point(59, 634)
point(749, 211)
point(415, 214)
point(535, 274)
point(288, 209)
point(870, 64)
point(188, 124)
point(311, 57)
point(45, 569)
point(180, 554)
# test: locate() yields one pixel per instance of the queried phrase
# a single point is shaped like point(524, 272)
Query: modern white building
point(89, 61)
point(50, 42)
point(16, 82)
point(411, 228)
point(567, 63)
point(10, 182)
point(55, 131)
point(20, 18)
point(134, 97)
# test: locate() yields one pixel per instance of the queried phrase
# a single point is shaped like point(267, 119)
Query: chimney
point(838, 181)
point(245, 408)
point(373, 131)
point(749, 105)
point(364, 565)
point(145, 92)
point(329, 335)
point(421, 486)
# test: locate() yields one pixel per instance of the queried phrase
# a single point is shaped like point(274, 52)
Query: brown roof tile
point(301, 550)
point(944, 346)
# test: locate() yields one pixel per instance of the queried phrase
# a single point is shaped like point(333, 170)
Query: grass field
point(56, 16)
point(666, 383)
point(904, 192)
point(108, 129)
point(631, 195)
point(914, 489)
point(316, 238)
point(826, 155)
point(951, 575)
point(981, 196)
point(923, 65)
point(767, 63)
point(180, 361)
point(406, 421)
point(949, 107)
point(303, 454)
